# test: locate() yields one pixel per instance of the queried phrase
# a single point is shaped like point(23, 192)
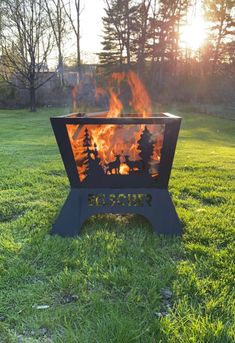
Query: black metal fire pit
point(117, 165)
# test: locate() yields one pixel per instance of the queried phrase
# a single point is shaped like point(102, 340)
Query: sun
point(193, 35)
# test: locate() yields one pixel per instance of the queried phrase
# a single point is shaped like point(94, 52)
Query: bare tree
point(2, 15)
point(57, 17)
point(75, 22)
point(26, 43)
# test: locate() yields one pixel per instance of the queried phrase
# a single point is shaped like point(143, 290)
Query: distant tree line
point(145, 35)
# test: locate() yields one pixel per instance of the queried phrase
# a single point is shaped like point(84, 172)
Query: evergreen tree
point(87, 151)
point(112, 53)
point(87, 139)
point(91, 159)
point(95, 167)
point(140, 29)
point(146, 146)
point(118, 32)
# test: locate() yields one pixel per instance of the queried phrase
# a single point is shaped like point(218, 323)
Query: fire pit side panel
point(168, 151)
point(62, 140)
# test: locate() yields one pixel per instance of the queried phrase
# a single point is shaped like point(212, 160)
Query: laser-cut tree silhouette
point(91, 159)
point(87, 151)
point(146, 146)
point(95, 167)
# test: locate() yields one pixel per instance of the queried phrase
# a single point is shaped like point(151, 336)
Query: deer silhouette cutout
point(115, 165)
point(138, 164)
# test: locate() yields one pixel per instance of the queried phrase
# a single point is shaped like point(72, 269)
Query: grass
point(106, 285)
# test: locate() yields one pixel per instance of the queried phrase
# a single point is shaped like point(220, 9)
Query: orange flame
point(140, 99)
point(115, 105)
point(115, 140)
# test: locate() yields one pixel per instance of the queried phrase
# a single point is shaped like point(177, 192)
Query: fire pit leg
point(162, 215)
point(69, 220)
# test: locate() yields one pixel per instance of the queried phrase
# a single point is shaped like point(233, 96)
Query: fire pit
point(117, 165)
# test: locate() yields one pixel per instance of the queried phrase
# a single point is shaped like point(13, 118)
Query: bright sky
point(91, 25)
point(193, 34)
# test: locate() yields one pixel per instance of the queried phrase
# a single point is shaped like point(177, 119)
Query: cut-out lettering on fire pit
point(130, 200)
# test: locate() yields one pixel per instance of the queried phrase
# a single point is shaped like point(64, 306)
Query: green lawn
point(108, 285)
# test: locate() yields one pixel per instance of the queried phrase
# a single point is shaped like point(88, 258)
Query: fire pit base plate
point(154, 204)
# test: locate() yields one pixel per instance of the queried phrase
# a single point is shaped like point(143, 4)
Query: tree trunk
point(78, 51)
point(61, 68)
point(78, 34)
point(128, 34)
point(32, 92)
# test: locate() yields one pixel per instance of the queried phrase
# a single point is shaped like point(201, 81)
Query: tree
point(56, 15)
point(141, 29)
point(91, 159)
point(75, 24)
point(118, 31)
point(1, 19)
point(112, 43)
point(221, 15)
point(26, 43)
point(146, 146)
point(165, 23)
point(87, 151)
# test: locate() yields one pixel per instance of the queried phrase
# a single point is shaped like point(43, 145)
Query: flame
point(115, 105)
point(140, 99)
point(115, 140)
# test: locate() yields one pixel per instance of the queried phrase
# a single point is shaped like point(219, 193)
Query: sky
point(91, 27)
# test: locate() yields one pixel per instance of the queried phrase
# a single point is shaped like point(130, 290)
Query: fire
point(116, 146)
point(115, 143)
point(115, 105)
point(140, 100)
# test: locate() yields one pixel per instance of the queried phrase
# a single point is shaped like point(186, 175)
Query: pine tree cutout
point(87, 151)
point(146, 146)
point(91, 158)
point(95, 167)
point(87, 139)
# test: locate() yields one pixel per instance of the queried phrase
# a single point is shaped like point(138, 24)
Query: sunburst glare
point(194, 34)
